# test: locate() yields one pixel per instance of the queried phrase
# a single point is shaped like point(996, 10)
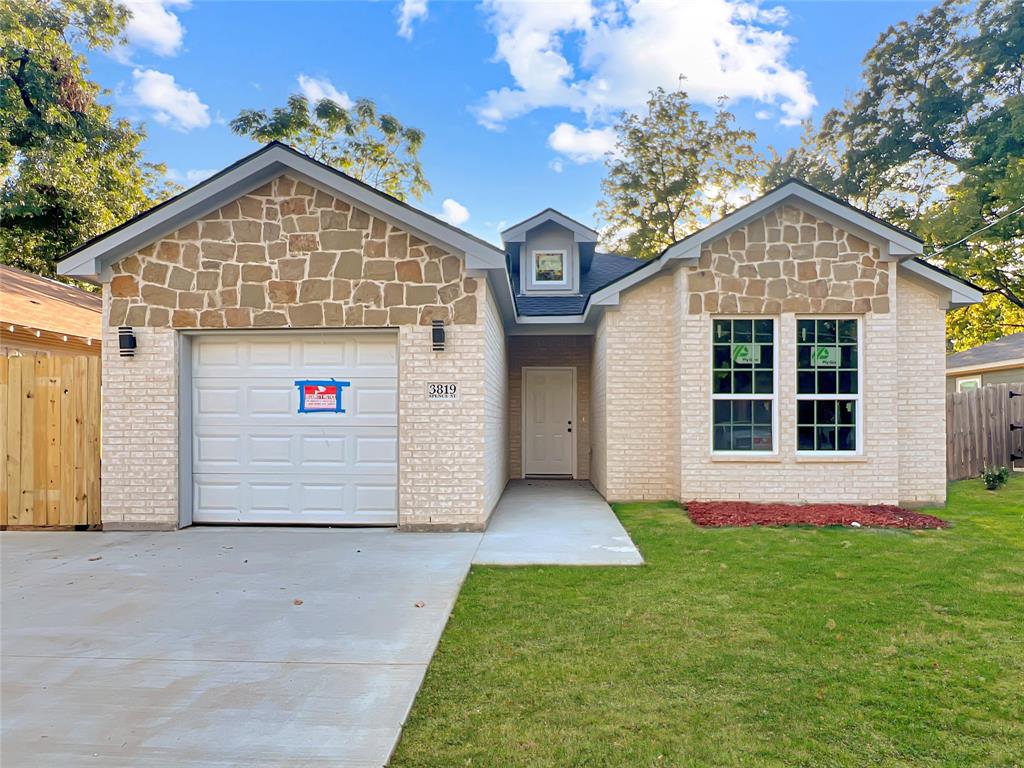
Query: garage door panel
point(257, 459)
point(282, 498)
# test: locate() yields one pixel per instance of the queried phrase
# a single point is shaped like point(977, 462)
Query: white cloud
point(454, 212)
point(409, 11)
point(317, 88)
point(582, 146)
point(191, 177)
point(154, 27)
point(763, 114)
point(171, 104)
point(556, 165)
point(624, 48)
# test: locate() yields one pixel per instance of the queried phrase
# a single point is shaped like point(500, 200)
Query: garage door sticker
point(321, 396)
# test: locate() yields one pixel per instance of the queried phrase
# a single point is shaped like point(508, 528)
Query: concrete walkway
point(555, 522)
point(188, 648)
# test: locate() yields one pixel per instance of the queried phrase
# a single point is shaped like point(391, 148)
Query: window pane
point(848, 356)
point(847, 382)
point(803, 356)
point(826, 332)
point(722, 382)
point(825, 412)
point(723, 331)
point(826, 425)
point(722, 355)
point(847, 411)
point(743, 383)
point(826, 382)
point(847, 439)
point(805, 383)
point(742, 425)
point(826, 439)
point(762, 382)
point(847, 331)
point(743, 330)
point(763, 331)
point(805, 412)
point(805, 331)
point(550, 266)
point(805, 439)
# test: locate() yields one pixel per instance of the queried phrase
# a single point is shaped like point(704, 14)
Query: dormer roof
point(581, 232)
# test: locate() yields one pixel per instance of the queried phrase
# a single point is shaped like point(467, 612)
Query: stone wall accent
point(556, 351)
point(290, 256)
point(789, 261)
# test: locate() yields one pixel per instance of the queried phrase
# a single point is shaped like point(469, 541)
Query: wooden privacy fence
point(50, 441)
point(978, 433)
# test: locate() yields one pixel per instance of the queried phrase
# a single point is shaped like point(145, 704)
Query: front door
point(549, 419)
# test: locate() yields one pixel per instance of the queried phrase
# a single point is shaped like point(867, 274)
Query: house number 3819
point(447, 391)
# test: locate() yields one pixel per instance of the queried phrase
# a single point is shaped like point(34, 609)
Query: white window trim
point(963, 379)
point(774, 397)
point(565, 266)
point(858, 398)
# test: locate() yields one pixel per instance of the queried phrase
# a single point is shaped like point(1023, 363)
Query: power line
point(975, 232)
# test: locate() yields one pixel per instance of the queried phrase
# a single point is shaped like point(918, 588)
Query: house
point(42, 315)
point(997, 362)
point(310, 350)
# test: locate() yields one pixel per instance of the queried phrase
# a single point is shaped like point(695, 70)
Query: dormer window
point(549, 268)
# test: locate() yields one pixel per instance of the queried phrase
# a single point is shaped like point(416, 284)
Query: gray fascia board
point(92, 259)
point(961, 295)
point(581, 234)
point(898, 245)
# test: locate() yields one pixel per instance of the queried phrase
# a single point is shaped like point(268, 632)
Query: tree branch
point(19, 80)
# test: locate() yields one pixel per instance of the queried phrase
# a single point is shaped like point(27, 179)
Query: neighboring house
point(998, 362)
point(41, 315)
point(288, 369)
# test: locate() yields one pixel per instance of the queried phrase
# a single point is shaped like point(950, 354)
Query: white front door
point(258, 458)
point(549, 420)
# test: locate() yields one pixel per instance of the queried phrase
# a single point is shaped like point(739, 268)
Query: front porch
point(555, 522)
point(549, 401)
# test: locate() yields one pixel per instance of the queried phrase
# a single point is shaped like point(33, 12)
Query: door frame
point(522, 408)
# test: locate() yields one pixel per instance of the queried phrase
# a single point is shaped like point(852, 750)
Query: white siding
point(495, 405)
point(598, 410)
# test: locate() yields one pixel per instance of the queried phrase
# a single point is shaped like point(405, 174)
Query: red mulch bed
point(744, 513)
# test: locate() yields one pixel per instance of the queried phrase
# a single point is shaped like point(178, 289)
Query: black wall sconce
point(126, 342)
point(437, 335)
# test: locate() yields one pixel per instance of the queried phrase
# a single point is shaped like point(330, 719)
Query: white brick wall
point(922, 396)
point(495, 404)
point(638, 344)
point(441, 443)
point(657, 443)
point(140, 430)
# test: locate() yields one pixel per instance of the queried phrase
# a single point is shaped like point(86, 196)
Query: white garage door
point(257, 459)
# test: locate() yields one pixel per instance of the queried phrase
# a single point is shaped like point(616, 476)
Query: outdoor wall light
point(126, 342)
point(437, 335)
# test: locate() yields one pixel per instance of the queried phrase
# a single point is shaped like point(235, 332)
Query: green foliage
point(968, 327)
point(371, 146)
point(995, 477)
point(68, 171)
point(935, 141)
point(671, 172)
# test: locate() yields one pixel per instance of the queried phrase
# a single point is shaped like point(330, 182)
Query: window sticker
point(321, 396)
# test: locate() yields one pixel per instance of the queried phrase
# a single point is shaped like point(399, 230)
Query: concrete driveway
point(189, 649)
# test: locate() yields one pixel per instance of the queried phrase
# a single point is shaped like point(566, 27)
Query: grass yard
point(753, 647)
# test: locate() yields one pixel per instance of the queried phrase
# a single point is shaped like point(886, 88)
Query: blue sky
point(515, 98)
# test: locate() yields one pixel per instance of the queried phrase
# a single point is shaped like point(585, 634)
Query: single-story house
point(997, 362)
point(39, 315)
point(310, 350)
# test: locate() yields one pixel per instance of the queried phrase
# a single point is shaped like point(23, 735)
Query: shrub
point(995, 477)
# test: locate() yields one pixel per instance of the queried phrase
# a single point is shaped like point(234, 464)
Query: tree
point(371, 146)
point(68, 171)
point(671, 172)
point(935, 141)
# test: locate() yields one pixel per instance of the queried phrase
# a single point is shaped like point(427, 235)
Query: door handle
point(570, 426)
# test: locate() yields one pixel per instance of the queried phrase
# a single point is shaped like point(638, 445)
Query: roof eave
point(248, 174)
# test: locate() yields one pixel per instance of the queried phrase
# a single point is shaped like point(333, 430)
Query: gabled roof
point(605, 269)
point(39, 303)
point(1001, 353)
point(253, 171)
point(581, 232)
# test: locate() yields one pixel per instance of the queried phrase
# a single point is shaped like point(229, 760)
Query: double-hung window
point(828, 386)
point(743, 387)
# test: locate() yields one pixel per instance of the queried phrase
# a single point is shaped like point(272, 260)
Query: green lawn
point(752, 647)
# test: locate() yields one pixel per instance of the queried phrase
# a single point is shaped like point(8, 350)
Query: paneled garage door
point(257, 459)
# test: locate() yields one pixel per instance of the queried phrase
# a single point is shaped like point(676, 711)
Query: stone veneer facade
point(652, 401)
point(290, 256)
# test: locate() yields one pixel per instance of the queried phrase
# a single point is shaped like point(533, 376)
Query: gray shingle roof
point(604, 270)
point(1007, 348)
